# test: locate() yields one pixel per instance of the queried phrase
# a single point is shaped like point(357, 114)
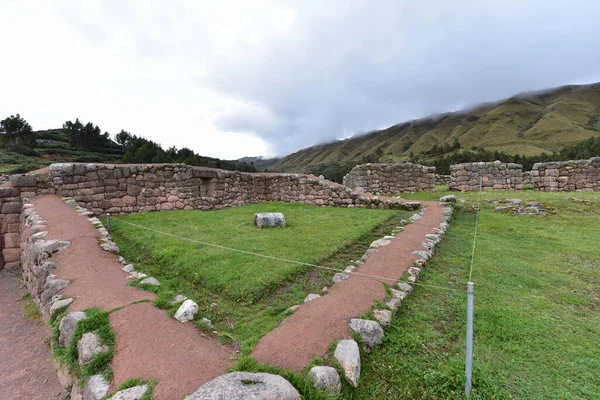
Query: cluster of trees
point(18, 134)
point(88, 136)
point(141, 150)
point(19, 137)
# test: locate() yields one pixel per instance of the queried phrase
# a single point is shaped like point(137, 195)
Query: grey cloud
point(374, 64)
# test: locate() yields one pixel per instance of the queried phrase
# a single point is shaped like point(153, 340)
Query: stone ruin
point(391, 178)
point(567, 176)
point(493, 175)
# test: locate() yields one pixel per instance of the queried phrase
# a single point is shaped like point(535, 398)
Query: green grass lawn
point(537, 309)
point(244, 295)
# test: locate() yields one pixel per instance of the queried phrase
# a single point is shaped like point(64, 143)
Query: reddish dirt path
point(308, 332)
point(26, 368)
point(149, 344)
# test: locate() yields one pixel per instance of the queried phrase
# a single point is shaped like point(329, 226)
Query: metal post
point(469, 357)
point(108, 222)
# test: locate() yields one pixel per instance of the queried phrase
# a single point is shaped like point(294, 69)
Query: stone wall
point(496, 176)
point(124, 189)
point(391, 178)
point(567, 176)
point(442, 179)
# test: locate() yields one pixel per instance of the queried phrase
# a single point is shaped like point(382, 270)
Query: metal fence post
point(469, 356)
point(108, 222)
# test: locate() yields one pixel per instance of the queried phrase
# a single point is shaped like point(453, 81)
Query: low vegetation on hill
point(526, 128)
point(23, 149)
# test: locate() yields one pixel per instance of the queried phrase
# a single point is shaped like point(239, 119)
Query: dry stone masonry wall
point(495, 176)
point(567, 176)
point(391, 178)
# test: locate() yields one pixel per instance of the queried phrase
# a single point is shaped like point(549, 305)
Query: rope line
point(278, 258)
point(476, 226)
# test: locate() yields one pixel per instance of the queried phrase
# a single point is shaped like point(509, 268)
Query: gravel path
point(26, 368)
point(149, 344)
point(308, 332)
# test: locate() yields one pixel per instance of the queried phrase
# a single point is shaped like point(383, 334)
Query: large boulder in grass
point(269, 220)
point(246, 386)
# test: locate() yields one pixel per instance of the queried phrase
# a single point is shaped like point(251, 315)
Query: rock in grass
point(128, 268)
point(269, 220)
point(337, 278)
point(88, 346)
point(399, 294)
point(311, 297)
point(133, 393)
point(384, 317)
point(187, 311)
point(370, 332)
point(246, 386)
point(380, 242)
point(178, 299)
point(95, 388)
point(348, 355)
point(411, 205)
point(57, 305)
point(294, 308)
point(150, 281)
point(326, 378)
point(405, 287)
point(206, 322)
point(394, 304)
point(448, 199)
point(67, 326)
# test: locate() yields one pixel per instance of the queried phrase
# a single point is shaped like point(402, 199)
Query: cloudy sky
point(263, 77)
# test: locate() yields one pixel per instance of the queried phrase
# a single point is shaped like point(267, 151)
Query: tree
point(19, 134)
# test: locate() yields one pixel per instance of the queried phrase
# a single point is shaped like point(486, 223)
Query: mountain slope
point(527, 124)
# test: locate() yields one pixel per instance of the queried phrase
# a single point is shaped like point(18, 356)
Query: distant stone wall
point(391, 178)
point(567, 176)
point(496, 176)
point(442, 179)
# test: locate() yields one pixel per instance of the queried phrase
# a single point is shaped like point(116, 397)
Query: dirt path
point(26, 368)
point(308, 332)
point(149, 344)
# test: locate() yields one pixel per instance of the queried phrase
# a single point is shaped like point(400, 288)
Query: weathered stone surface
point(128, 268)
point(399, 294)
point(411, 205)
point(269, 219)
point(294, 308)
point(337, 278)
point(109, 246)
point(57, 305)
point(88, 346)
point(95, 388)
point(67, 326)
point(187, 311)
point(370, 332)
point(311, 297)
point(326, 378)
point(384, 317)
point(132, 393)
point(178, 299)
point(448, 199)
point(52, 287)
point(394, 304)
point(390, 178)
point(246, 386)
point(348, 355)
point(150, 281)
point(405, 287)
point(380, 242)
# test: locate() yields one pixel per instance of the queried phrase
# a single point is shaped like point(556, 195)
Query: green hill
point(528, 124)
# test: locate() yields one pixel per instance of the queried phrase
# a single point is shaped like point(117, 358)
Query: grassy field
point(537, 309)
point(244, 295)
